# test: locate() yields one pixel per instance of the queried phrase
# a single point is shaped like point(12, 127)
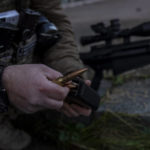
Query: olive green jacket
point(64, 55)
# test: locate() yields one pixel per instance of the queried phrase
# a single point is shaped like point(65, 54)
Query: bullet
point(63, 80)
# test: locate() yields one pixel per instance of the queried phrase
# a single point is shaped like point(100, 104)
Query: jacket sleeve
point(64, 55)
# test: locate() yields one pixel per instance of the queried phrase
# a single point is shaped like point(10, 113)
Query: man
point(29, 86)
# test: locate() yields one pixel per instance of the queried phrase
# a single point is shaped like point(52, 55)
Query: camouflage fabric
point(11, 138)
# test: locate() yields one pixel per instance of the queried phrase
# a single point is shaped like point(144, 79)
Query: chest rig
point(33, 35)
point(17, 43)
point(15, 46)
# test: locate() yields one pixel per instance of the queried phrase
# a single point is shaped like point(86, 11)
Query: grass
point(117, 132)
point(110, 131)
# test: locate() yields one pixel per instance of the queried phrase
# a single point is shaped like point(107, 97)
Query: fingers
point(67, 110)
point(50, 73)
point(52, 104)
point(81, 110)
point(54, 91)
point(75, 110)
point(88, 82)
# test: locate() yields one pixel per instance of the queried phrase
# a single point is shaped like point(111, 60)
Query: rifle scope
point(113, 31)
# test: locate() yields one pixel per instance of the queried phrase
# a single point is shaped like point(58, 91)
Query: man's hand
point(73, 110)
point(30, 90)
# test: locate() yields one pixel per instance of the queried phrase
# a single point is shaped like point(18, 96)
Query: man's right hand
point(30, 90)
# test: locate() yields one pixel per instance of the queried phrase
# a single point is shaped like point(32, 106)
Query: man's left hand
point(74, 110)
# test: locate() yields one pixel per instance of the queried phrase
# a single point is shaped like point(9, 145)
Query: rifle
point(119, 57)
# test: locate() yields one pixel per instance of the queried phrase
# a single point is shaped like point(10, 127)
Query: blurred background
point(83, 13)
point(132, 95)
